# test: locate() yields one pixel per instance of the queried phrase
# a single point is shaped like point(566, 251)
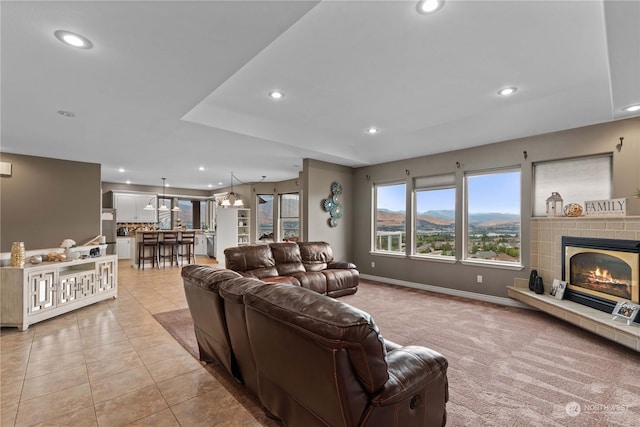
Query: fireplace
point(601, 272)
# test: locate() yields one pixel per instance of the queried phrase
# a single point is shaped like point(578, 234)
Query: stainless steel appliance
point(211, 244)
point(109, 229)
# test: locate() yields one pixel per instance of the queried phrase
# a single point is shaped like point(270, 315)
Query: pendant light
point(237, 201)
point(149, 206)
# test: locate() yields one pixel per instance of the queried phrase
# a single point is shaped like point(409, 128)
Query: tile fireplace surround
point(546, 257)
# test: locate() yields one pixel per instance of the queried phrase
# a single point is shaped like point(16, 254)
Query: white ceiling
point(171, 86)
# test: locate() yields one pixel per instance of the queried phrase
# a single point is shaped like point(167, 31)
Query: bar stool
point(187, 244)
point(169, 243)
point(149, 241)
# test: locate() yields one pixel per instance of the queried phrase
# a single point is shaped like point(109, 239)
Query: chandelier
point(232, 199)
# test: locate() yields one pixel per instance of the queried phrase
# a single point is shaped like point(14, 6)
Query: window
point(185, 214)
point(264, 220)
point(290, 216)
point(164, 217)
point(203, 215)
point(493, 216)
point(390, 217)
point(577, 180)
point(435, 216)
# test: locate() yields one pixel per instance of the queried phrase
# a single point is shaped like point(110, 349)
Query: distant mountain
point(439, 218)
point(443, 214)
point(492, 218)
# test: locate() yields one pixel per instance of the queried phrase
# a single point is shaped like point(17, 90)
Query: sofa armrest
point(341, 265)
point(411, 369)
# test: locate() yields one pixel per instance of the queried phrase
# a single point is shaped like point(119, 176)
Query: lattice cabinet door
point(86, 284)
point(67, 290)
point(76, 286)
point(42, 291)
point(106, 276)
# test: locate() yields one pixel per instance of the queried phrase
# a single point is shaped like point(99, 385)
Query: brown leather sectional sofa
point(307, 264)
point(310, 359)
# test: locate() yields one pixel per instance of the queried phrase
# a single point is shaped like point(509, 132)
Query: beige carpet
point(507, 366)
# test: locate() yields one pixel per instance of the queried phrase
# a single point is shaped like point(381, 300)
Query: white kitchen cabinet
point(232, 229)
point(125, 247)
point(130, 207)
point(38, 292)
point(200, 244)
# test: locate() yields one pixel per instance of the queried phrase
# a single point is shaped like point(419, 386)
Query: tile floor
point(112, 364)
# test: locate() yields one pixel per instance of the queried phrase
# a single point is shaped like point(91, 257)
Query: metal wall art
point(332, 204)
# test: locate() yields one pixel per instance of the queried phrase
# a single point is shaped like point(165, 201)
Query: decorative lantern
point(554, 204)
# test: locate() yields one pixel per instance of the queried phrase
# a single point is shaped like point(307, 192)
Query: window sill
point(493, 264)
point(389, 254)
point(446, 260)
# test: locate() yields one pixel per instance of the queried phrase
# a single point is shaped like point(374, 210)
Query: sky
point(496, 192)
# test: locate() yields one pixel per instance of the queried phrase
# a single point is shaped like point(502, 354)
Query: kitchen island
point(199, 245)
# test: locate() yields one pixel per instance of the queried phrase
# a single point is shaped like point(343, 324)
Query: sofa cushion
point(314, 280)
point(252, 261)
point(315, 255)
point(330, 322)
point(338, 280)
point(288, 259)
point(234, 290)
point(206, 277)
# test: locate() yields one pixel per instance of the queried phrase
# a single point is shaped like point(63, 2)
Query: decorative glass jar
point(18, 254)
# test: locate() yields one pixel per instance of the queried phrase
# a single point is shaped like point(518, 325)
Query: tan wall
point(318, 177)
point(47, 200)
point(558, 145)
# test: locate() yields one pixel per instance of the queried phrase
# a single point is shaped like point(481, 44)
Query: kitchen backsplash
point(129, 228)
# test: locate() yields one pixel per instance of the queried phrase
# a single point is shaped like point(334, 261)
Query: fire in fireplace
point(601, 272)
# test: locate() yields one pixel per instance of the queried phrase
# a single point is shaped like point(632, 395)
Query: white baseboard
point(455, 292)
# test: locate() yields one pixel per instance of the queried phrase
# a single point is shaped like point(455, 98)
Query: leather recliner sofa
point(314, 360)
point(307, 264)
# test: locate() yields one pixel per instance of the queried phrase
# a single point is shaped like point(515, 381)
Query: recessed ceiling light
point(128, 182)
point(66, 113)
point(73, 39)
point(276, 94)
point(429, 6)
point(219, 183)
point(121, 170)
point(507, 91)
point(372, 130)
point(632, 108)
point(201, 168)
point(210, 185)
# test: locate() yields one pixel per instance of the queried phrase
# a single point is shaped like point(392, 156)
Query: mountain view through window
point(492, 218)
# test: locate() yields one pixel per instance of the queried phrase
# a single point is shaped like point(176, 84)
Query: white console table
point(38, 292)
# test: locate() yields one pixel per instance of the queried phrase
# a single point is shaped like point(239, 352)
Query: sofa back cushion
point(315, 255)
point(328, 323)
point(253, 261)
point(206, 277)
point(288, 259)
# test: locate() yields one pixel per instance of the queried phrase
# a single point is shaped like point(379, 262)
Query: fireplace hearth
point(601, 272)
